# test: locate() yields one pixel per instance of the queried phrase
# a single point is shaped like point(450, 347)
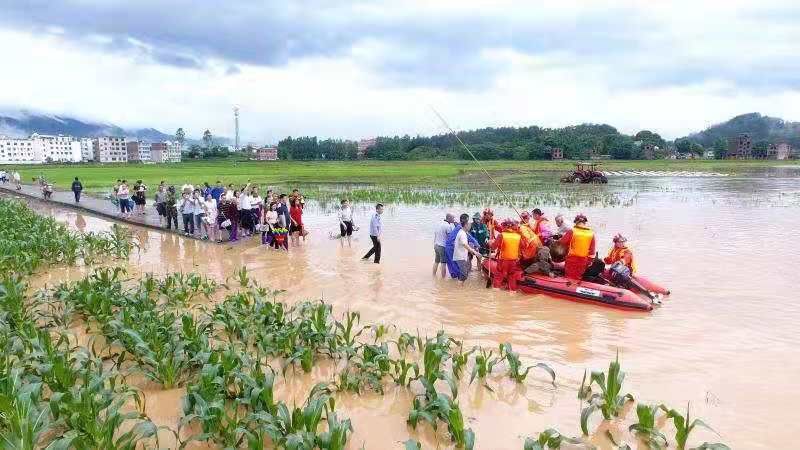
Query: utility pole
point(236, 121)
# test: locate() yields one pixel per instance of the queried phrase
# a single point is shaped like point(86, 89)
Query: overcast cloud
point(353, 69)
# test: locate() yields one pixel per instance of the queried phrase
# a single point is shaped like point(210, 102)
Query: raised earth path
point(93, 205)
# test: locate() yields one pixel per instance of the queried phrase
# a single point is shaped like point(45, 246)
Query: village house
point(740, 147)
point(266, 153)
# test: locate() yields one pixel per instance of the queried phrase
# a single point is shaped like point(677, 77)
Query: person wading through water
point(375, 231)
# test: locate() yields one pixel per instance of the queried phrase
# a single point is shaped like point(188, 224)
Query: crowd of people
point(209, 212)
point(12, 177)
point(527, 246)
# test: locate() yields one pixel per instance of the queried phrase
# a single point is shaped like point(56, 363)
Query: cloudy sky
point(352, 69)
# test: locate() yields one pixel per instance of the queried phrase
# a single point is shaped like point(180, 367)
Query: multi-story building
point(740, 147)
point(266, 153)
point(783, 151)
point(55, 148)
point(165, 152)
point(364, 145)
point(173, 151)
point(110, 149)
point(87, 149)
point(138, 151)
point(18, 151)
point(556, 153)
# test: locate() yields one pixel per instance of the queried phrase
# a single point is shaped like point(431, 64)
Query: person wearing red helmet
point(530, 242)
point(507, 245)
point(621, 253)
point(581, 244)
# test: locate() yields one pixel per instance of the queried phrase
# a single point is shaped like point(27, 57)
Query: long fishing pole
point(446, 125)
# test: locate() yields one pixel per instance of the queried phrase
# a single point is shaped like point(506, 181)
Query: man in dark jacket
point(77, 187)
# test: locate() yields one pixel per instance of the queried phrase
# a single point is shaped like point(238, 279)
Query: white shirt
point(440, 235)
point(16, 176)
point(460, 248)
point(197, 203)
point(272, 217)
point(244, 202)
point(346, 214)
point(210, 207)
point(187, 206)
point(256, 201)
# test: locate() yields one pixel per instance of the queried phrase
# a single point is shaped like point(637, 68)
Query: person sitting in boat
point(541, 225)
point(562, 227)
point(581, 248)
point(620, 253)
point(542, 262)
point(529, 243)
point(507, 245)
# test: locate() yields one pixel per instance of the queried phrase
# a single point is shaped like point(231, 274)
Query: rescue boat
point(584, 291)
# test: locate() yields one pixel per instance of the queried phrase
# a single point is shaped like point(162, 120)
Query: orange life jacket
point(530, 242)
point(618, 254)
point(537, 225)
point(580, 242)
point(509, 249)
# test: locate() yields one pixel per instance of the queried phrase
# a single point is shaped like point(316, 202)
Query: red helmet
point(620, 238)
point(508, 223)
point(515, 224)
point(580, 218)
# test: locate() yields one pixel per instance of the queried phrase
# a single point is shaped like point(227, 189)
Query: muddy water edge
point(725, 340)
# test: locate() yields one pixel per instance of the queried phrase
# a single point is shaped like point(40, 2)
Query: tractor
point(585, 173)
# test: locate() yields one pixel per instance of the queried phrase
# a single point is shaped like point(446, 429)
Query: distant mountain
point(23, 123)
point(760, 128)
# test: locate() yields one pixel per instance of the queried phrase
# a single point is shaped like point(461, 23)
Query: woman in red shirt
point(296, 215)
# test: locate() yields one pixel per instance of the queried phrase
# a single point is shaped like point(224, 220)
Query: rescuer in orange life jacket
point(530, 243)
point(507, 245)
point(580, 242)
point(621, 253)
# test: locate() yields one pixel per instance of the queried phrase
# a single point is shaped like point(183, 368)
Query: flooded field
point(725, 340)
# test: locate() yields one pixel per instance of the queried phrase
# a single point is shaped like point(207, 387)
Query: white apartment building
point(173, 151)
point(87, 149)
point(18, 151)
point(110, 149)
point(145, 153)
point(55, 148)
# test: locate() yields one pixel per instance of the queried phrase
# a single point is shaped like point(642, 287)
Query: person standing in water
point(77, 187)
point(479, 231)
point(375, 231)
point(462, 248)
point(346, 222)
point(439, 239)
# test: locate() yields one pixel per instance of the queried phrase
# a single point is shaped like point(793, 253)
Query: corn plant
point(548, 439)
point(404, 342)
point(515, 371)
point(401, 371)
point(412, 444)
point(93, 413)
point(646, 428)
point(346, 333)
point(484, 364)
point(444, 408)
point(684, 425)
point(22, 419)
point(435, 353)
point(609, 400)
point(460, 358)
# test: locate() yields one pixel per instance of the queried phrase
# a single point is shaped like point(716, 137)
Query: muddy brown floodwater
point(725, 341)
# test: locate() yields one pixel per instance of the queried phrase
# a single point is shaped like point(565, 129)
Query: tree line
point(523, 143)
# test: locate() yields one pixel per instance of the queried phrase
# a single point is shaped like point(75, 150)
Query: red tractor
point(585, 173)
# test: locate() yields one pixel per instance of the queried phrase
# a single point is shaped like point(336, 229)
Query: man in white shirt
point(439, 239)
point(462, 249)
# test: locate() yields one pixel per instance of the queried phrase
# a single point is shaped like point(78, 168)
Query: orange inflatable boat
point(585, 291)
